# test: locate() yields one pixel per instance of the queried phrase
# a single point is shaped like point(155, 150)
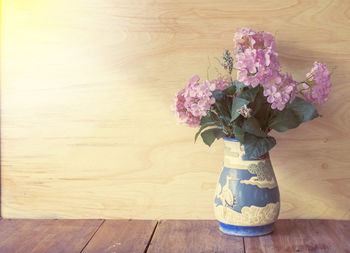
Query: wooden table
point(108, 236)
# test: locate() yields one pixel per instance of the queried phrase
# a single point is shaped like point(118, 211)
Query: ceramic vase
point(247, 200)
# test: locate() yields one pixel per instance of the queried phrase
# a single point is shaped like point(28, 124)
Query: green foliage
point(218, 95)
point(207, 121)
point(261, 109)
point(238, 132)
point(249, 94)
point(230, 90)
point(255, 147)
point(239, 85)
point(223, 113)
point(210, 135)
point(282, 121)
point(304, 110)
point(202, 127)
point(292, 116)
point(252, 126)
point(237, 103)
point(224, 120)
point(210, 117)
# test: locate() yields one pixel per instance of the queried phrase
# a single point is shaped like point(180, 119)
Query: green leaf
point(257, 146)
point(210, 135)
point(207, 121)
point(230, 90)
point(222, 112)
point(218, 94)
point(261, 109)
point(239, 85)
point(260, 106)
point(303, 110)
point(237, 103)
point(238, 132)
point(293, 115)
point(252, 126)
point(205, 125)
point(282, 121)
point(250, 94)
point(208, 118)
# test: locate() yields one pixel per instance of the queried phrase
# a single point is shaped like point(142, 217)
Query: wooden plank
point(303, 236)
point(22, 235)
point(192, 236)
point(122, 236)
point(86, 87)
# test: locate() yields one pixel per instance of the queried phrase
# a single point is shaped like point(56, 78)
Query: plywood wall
point(86, 89)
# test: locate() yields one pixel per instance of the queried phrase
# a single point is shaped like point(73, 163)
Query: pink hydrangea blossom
point(248, 38)
point(318, 84)
point(257, 64)
point(181, 112)
point(243, 39)
point(221, 83)
point(253, 68)
point(256, 59)
point(282, 93)
point(198, 97)
point(193, 102)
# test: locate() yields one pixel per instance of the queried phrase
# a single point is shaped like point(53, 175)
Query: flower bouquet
point(243, 112)
point(262, 98)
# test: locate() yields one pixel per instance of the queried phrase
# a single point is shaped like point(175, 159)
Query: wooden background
point(86, 89)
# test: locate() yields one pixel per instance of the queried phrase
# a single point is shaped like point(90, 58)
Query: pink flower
point(245, 111)
point(256, 59)
point(243, 39)
point(247, 61)
point(221, 83)
point(318, 84)
point(198, 96)
point(274, 97)
point(193, 102)
point(280, 94)
point(248, 38)
point(183, 115)
point(257, 64)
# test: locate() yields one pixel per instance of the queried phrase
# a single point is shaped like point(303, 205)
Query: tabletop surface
point(55, 235)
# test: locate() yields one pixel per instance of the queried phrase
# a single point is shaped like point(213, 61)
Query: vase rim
point(230, 139)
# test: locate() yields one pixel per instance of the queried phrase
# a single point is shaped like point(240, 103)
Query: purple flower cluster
point(193, 102)
point(221, 83)
point(281, 93)
point(256, 59)
point(181, 112)
point(317, 84)
point(257, 64)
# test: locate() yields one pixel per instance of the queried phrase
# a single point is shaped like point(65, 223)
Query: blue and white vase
point(247, 199)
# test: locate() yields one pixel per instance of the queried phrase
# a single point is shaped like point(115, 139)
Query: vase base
point(245, 230)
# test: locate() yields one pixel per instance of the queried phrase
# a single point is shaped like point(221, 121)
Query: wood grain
point(86, 88)
point(122, 236)
point(193, 236)
point(51, 236)
point(303, 236)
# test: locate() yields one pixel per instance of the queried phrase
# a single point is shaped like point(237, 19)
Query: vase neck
point(233, 149)
point(234, 152)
